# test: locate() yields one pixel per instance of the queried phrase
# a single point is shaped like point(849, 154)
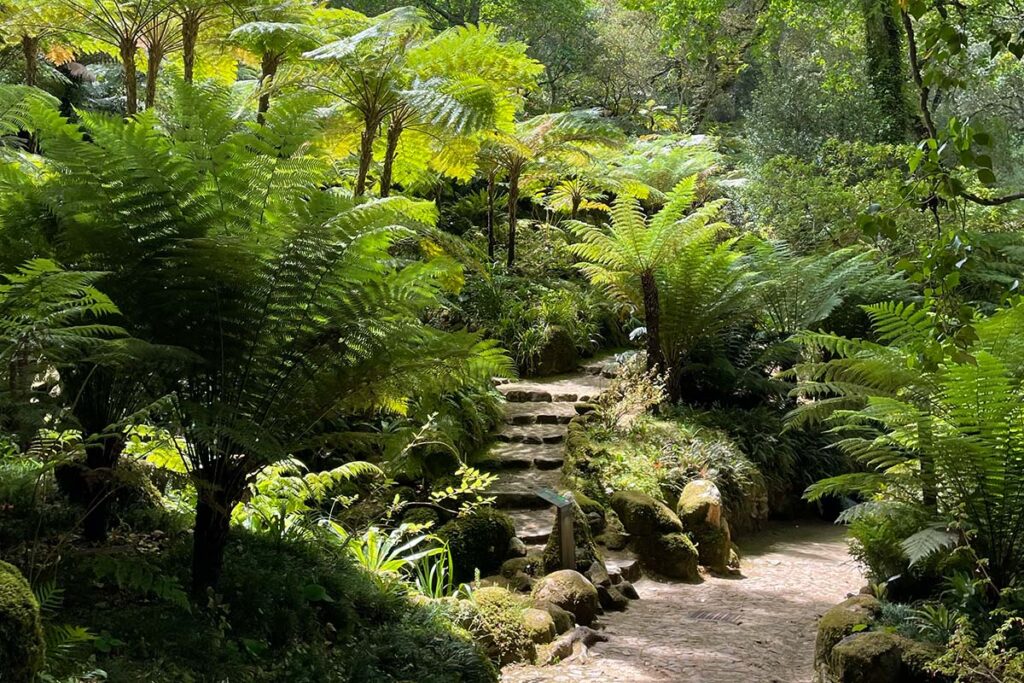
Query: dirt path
point(758, 628)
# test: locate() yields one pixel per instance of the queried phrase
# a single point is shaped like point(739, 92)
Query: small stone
point(598, 574)
point(611, 599)
point(516, 547)
point(563, 620)
point(629, 590)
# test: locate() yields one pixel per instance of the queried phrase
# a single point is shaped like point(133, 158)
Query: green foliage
point(921, 405)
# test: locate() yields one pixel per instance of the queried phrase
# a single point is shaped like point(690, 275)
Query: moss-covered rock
point(562, 619)
point(614, 536)
point(539, 625)
point(594, 511)
point(700, 505)
point(571, 591)
point(642, 515)
point(714, 546)
point(854, 613)
point(21, 631)
point(586, 547)
point(671, 555)
point(558, 355)
point(867, 657)
point(498, 624)
point(477, 541)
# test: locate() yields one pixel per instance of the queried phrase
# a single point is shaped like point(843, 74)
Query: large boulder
point(700, 511)
point(852, 615)
point(21, 632)
point(571, 591)
point(700, 504)
point(879, 657)
point(478, 540)
point(671, 555)
point(562, 619)
point(642, 515)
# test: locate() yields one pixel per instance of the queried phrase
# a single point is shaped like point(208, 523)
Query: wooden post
point(565, 520)
point(566, 537)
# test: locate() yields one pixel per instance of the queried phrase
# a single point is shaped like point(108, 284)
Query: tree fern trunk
point(189, 38)
point(652, 318)
point(30, 49)
point(153, 58)
point(100, 462)
point(270, 62)
point(394, 134)
point(492, 190)
point(513, 207)
point(209, 537)
point(929, 487)
point(365, 156)
point(131, 83)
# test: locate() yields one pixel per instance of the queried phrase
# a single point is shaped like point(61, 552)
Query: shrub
point(478, 540)
point(21, 631)
point(496, 620)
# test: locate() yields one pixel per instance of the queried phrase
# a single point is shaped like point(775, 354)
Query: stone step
point(533, 434)
point(518, 488)
point(533, 526)
point(569, 388)
point(539, 413)
point(512, 456)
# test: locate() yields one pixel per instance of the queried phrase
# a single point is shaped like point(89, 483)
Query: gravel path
point(754, 628)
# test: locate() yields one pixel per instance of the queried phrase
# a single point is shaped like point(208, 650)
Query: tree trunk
point(365, 156)
point(30, 48)
point(492, 190)
point(210, 537)
point(929, 486)
point(513, 209)
point(394, 134)
point(652, 318)
point(189, 38)
point(269, 65)
point(101, 459)
point(885, 67)
point(153, 59)
point(131, 83)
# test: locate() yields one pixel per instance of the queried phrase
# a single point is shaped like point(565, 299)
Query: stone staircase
point(529, 451)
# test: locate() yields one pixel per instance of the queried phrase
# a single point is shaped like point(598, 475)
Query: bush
point(286, 611)
point(495, 617)
point(21, 632)
point(477, 541)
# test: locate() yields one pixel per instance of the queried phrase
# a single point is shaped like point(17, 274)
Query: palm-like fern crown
point(221, 241)
point(633, 245)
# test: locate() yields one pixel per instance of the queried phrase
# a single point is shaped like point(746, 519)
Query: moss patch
point(21, 631)
point(478, 541)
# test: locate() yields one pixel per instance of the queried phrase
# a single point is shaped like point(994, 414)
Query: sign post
point(564, 524)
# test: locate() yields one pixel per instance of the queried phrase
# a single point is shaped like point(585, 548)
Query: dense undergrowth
point(262, 263)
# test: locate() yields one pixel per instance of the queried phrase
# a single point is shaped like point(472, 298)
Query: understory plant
point(936, 424)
